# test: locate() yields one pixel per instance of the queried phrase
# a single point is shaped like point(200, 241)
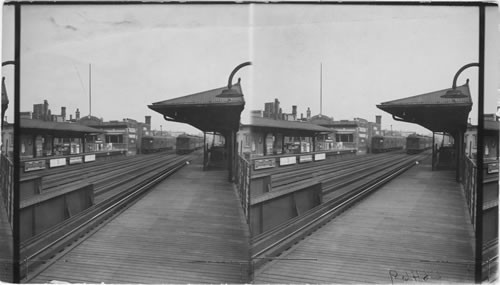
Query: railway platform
point(416, 228)
point(188, 229)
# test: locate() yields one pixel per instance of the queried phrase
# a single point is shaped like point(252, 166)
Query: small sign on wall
point(75, 160)
point(492, 168)
point(288, 160)
point(89, 157)
point(305, 158)
point(56, 162)
point(319, 156)
point(34, 165)
point(264, 163)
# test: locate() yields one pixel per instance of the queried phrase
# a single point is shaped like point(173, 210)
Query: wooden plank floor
point(189, 229)
point(6, 246)
point(414, 229)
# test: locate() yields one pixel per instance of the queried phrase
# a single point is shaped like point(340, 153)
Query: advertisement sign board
point(90, 157)
point(264, 163)
point(288, 160)
point(319, 156)
point(56, 162)
point(75, 160)
point(34, 165)
point(305, 158)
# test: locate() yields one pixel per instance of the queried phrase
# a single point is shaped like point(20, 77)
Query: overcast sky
point(370, 55)
point(142, 54)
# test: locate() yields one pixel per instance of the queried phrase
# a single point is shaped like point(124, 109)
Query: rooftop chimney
point(63, 113)
point(308, 113)
point(148, 120)
point(378, 120)
point(77, 114)
point(276, 109)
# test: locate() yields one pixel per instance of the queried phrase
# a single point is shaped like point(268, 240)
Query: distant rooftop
point(49, 126)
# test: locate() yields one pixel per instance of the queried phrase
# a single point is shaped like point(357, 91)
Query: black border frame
point(480, 141)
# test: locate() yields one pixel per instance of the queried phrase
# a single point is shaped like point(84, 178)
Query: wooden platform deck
point(189, 229)
point(414, 229)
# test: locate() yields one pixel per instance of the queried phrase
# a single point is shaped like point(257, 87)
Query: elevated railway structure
point(413, 229)
point(54, 217)
point(188, 229)
point(330, 189)
point(173, 234)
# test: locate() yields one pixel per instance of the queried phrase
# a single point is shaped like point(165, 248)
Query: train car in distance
point(417, 143)
point(152, 144)
point(187, 143)
point(387, 143)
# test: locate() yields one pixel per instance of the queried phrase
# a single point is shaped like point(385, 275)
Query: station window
point(247, 140)
point(114, 139)
point(344, 138)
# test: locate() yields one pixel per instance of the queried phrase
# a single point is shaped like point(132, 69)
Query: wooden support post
point(264, 143)
point(205, 149)
point(282, 143)
point(229, 150)
point(434, 150)
point(234, 155)
point(83, 143)
point(34, 145)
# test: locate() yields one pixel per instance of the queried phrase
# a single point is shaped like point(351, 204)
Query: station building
point(123, 135)
point(490, 171)
point(344, 134)
point(355, 133)
point(50, 140)
point(266, 136)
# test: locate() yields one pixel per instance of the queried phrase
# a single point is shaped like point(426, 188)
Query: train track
point(40, 251)
point(340, 192)
point(322, 172)
point(102, 171)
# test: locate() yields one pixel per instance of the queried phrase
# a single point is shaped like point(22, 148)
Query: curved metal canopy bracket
point(8, 62)
point(453, 92)
point(454, 86)
point(228, 93)
point(230, 80)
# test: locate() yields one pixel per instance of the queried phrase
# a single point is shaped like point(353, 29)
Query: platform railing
point(490, 261)
point(243, 174)
point(469, 186)
point(6, 182)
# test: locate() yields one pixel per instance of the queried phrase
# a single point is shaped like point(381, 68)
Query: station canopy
point(287, 128)
point(58, 129)
point(439, 111)
point(216, 110)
